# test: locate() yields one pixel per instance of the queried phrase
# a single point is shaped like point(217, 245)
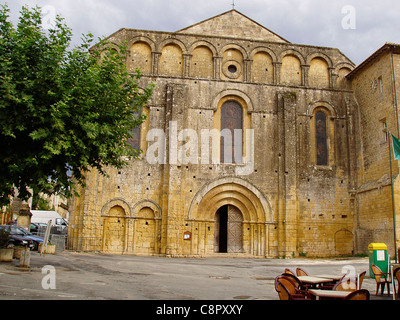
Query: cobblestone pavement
point(84, 276)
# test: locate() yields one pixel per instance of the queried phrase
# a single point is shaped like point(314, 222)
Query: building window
point(384, 130)
point(231, 132)
point(380, 84)
point(134, 142)
point(321, 138)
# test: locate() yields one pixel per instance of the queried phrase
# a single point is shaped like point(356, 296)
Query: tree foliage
point(62, 111)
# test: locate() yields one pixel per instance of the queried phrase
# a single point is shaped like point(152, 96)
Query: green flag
point(396, 147)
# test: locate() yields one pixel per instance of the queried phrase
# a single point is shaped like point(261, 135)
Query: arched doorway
point(255, 217)
point(228, 236)
point(114, 230)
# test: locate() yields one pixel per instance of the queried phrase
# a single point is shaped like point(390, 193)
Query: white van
point(43, 216)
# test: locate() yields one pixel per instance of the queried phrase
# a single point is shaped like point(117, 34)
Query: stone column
point(173, 220)
point(277, 72)
point(187, 58)
point(247, 70)
point(156, 61)
point(332, 78)
point(305, 68)
point(287, 173)
point(217, 67)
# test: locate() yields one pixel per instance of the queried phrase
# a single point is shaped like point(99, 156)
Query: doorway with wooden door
point(228, 230)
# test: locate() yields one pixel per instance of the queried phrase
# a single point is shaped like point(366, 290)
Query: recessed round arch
point(116, 202)
point(235, 47)
point(254, 206)
point(202, 43)
point(170, 41)
point(147, 204)
point(343, 64)
point(317, 104)
point(292, 52)
point(264, 50)
point(146, 40)
point(232, 92)
point(319, 55)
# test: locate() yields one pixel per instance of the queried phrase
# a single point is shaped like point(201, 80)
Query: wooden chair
point(345, 284)
point(341, 285)
point(396, 275)
point(289, 271)
point(299, 285)
point(282, 291)
point(381, 279)
point(301, 272)
point(330, 285)
point(358, 295)
point(287, 289)
point(361, 277)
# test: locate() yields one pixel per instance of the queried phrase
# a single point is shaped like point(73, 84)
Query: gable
point(233, 24)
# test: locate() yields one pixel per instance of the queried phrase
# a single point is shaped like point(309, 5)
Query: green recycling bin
point(378, 256)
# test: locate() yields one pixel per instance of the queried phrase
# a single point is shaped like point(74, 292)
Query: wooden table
point(314, 281)
point(328, 294)
point(328, 276)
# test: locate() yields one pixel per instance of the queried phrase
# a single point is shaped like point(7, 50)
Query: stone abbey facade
point(253, 146)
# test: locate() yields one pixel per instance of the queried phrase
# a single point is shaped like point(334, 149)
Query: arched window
point(231, 132)
point(138, 140)
point(321, 138)
point(134, 142)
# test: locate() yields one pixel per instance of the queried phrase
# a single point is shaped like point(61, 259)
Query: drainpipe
point(390, 151)
point(395, 95)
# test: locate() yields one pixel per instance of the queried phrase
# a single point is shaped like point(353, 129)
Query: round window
point(232, 68)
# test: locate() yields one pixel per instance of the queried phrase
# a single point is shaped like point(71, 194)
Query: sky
point(356, 27)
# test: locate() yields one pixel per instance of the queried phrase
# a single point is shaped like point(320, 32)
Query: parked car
point(38, 228)
point(36, 239)
point(18, 238)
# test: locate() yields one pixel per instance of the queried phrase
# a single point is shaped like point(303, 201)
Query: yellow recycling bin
point(378, 256)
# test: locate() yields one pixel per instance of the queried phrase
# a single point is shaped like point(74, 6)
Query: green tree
point(63, 111)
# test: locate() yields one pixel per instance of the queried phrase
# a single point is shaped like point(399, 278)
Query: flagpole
point(393, 202)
